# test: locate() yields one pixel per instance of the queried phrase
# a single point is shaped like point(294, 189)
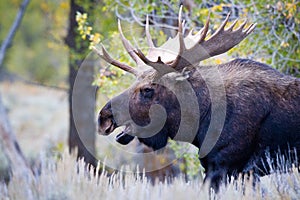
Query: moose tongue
point(123, 138)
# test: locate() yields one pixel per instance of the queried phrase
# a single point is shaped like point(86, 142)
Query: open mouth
point(124, 137)
point(111, 128)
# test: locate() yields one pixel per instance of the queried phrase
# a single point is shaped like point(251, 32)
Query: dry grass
point(68, 179)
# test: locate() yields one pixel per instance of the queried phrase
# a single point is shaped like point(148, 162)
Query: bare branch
point(12, 31)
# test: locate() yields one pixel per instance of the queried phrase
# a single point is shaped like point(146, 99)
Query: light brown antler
point(220, 42)
point(128, 46)
point(130, 50)
point(105, 56)
point(188, 50)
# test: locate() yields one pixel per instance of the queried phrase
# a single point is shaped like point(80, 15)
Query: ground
point(38, 115)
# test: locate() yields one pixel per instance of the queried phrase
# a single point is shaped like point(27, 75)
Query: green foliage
point(276, 40)
point(191, 164)
point(110, 79)
point(85, 30)
point(38, 51)
point(141, 7)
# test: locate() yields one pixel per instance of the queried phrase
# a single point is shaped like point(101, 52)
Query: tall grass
point(69, 179)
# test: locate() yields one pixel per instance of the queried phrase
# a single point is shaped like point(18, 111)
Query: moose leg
point(216, 177)
point(228, 158)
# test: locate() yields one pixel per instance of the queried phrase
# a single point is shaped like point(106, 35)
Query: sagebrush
point(69, 179)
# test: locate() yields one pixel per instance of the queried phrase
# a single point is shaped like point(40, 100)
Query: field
point(61, 177)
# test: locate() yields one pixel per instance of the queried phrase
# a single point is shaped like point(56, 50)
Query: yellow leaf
point(64, 5)
point(217, 8)
point(44, 7)
point(284, 44)
point(218, 61)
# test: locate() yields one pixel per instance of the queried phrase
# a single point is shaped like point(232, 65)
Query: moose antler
point(129, 48)
point(189, 50)
point(220, 42)
point(105, 56)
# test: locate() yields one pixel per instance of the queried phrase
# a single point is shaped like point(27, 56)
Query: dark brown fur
point(262, 114)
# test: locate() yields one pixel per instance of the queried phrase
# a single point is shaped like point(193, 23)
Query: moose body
point(262, 106)
point(262, 120)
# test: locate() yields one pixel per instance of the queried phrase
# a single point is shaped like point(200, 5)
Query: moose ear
point(147, 92)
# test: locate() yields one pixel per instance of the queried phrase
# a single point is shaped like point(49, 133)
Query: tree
point(10, 144)
point(18, 164)
point(81, 109)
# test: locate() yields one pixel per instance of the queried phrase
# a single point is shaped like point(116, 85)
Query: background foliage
point(38, 52)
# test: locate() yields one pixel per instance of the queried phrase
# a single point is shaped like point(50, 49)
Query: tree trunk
point(17, 162)
point(9, 144)
point(81, 95)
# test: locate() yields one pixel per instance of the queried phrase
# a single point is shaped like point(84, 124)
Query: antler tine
point(181, 59)
point(158, 65)
point(232, 25)
point(179, 20)
point(142, 56)
point(180, 31)
point(204, 29)
point(223, 40)
point(105, 56)
point(250, 29)
point(182, 47)
point(149, 39)
point(221, 28)
point(242, 25)
point(220, 42)
point(128, 46)
point(191, 32)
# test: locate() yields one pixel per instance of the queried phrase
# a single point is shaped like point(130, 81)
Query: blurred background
point(42, 57)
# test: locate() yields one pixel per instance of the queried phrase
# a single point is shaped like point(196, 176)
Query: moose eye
point(147, 93)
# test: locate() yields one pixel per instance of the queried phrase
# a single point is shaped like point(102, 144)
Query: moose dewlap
point(239, 114)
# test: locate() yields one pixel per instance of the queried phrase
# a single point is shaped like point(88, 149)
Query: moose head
point(151, 109)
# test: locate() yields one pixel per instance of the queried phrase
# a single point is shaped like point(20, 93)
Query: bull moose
point(239, 114)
